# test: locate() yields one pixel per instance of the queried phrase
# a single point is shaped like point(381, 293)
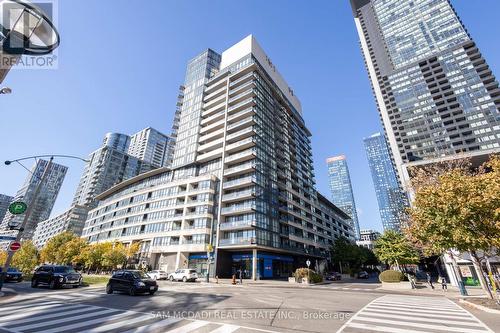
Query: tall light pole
point(5, 91)
point(30, 205)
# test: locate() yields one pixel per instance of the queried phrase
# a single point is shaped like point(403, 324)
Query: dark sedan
point(13, 274)
point(132, 282)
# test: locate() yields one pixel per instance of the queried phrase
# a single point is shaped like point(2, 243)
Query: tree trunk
point(492, 280)
point(479, 270)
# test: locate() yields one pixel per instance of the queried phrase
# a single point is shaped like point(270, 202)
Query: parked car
point(183, 275)
point(363, 275)
point(131, 281)
point(13, 274)
point(333, 276)
point(158, 275)
point(56, 276)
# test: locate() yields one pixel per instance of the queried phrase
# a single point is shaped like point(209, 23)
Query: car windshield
point(64, 269)
point(139, 275)
point(12, 270)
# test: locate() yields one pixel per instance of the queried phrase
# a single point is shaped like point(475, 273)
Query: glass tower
point(5, 201)
point(341, 189)
point(435, 92)
point(150, 146)
point(44, 203)
point(390, 196)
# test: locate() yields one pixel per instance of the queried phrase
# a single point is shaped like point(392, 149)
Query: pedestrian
point(429, 280)
point(413, 281)
point(241, 276)
point(444, 284)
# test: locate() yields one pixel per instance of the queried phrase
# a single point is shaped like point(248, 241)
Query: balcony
point(210, 145)
point(245, 94)
point(210, 155)
point(241, 88)
point(241, 195)
point(243, 144)
point(247, 167)
point(213, 135)
point(212, 127)
point(237, 183)
point(238, 225)
point(236, 241)
point(242, 79)
point(214, 109)
point(241, 115)
point(216, 101)
point(245, 208)
point(243, 156)
point(215, 94)
point(244, 133)
point(213, 118)
point(241, 124)
point(241, 105)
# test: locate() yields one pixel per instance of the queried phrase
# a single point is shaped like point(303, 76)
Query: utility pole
point(27, 215)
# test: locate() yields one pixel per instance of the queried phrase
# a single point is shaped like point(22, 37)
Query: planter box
point(405, 285)
point(292, 280)
point(305, 281)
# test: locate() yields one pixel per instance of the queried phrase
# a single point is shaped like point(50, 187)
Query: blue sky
point(120, 64)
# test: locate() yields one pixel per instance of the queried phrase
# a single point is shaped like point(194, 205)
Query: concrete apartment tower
point(241, 180)
point(339, 181)
point(46, 198)
point(436, 95)
point(150, 146)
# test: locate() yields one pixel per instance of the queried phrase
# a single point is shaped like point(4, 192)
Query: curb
point(479, 307)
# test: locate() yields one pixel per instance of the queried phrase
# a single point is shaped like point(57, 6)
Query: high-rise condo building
point(241, 180)
point(340, 185)
point(391, 198)
point(436, 95)
point(45, 200)
point(368, 238)
point(5, 201)
point(107, 166)
point(71, 220)
point(149, 146)
point(175, 127)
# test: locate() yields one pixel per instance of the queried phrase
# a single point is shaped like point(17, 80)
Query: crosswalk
point(59, 316)
point(413, 314)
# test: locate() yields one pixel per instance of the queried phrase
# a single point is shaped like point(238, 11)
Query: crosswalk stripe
point(100, 320)
point(120, 323)
point(155, 326)
point(67, 310)
point(437, 304)
point(419, 307)
point(227, 328)
point(430, 311)
point(16, 308)
point(411, 317)
point(189, 327)
point(39, 309)
point(62, 320)
point(423, 315)
point(419, 325)
point(383, 328)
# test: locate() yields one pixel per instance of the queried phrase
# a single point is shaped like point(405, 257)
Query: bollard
point(216, 279)
point(234, 279)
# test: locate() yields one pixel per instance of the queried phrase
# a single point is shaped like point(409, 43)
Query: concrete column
point(177, 260)
point(254, 264)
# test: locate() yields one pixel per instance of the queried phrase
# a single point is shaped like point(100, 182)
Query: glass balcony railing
point(238, 224)
point(236, 241)
point(238, 208)
point(237, 195)
point(248, 100)
point(236, 182)
point(249, 165)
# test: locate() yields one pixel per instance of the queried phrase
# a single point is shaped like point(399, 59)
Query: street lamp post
point(29, 209)
point(5, 91)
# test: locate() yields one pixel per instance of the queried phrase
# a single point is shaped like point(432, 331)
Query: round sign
point(17, 207)
point(14, 246)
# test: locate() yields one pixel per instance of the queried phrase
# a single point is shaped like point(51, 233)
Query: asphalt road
point(193, 307)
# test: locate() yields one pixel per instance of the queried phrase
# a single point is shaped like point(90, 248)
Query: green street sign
point(17, 207)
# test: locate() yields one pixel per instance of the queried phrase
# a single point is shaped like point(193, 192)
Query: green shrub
point(301, 273)
point(391, 276)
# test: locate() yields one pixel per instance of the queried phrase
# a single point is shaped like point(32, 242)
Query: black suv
point(13, 274)
point(131, 281)
point(56, 276)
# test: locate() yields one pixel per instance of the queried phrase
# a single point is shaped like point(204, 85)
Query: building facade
point(391, 198)
point(242, 179)
point(117, 141)
point(107, 166)
point(340, 185)
point(149, 146)
point(435, 92)
point(45, 200)
point(71, 220)
point(175, 127)
point(368, 238)
point(5, 201)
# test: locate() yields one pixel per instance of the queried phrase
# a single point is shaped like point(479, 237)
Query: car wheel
point(131, 291)
point(52, 284)
point(34, 283)
point(109, 289)
point(171, 278)
point(152, 292)
point(184, 279)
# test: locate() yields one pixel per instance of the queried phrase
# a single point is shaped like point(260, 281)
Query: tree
point(458, 209)
point(132, 250)
point(53, 251)
point(348, 254)
point(26, 258)
point(91, 256)
point(3, 257)
point(69, 253)
point(114, 255)
point(394, 248)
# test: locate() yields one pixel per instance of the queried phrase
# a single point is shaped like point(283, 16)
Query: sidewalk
point(424, 289)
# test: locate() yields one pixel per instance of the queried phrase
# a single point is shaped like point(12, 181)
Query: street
point(217, 308)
